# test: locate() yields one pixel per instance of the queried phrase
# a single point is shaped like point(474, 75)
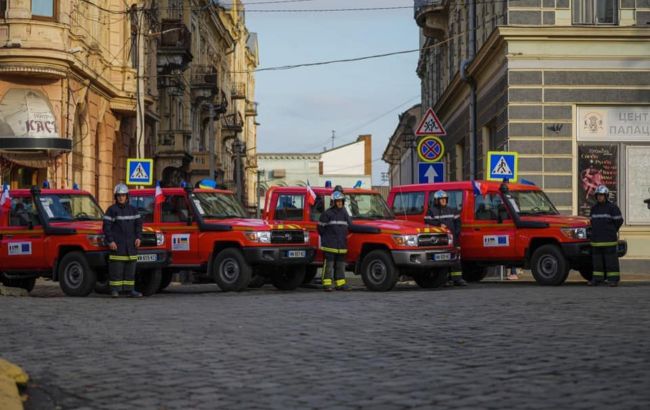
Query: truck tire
point(165, 279)
point(22, 283)
point(587, 273)
point(474, 273)
point(76, 278)
point(378, 271)
point(231, 271)
point(257, 282)
point(148, 281)
point(288, 278)
point(310, 274)
point(430, 280)
point(549, 266)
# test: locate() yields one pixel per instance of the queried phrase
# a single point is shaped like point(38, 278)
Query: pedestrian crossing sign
point(502, 165)
point(139, 171)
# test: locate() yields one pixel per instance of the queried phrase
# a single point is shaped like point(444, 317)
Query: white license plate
point(147, 258)
point(296, 254)
point(442, 256)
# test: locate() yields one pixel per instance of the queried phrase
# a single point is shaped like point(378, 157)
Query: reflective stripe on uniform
point(603, 244)
point(116, 283)
point(108, 218)
point(120, 258)
point(327, 282)
point(333, 223)
point(128, 282)
point(456, 274)
point(601, 216)
point(127, 217)
point(334, 250)
point(613, 274)
point(340, 282)
point(599, 273)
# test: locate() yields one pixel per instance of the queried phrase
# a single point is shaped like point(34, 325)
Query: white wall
point(346, 160)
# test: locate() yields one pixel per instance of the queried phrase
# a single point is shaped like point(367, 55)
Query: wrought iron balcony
point(238, 91)
point(203, 76)
point(431, 15)
point(173, 142)
point(233, 122)
point(174, 50)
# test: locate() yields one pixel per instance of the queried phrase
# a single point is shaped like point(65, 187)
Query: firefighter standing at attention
point(442, 215)
point(123, 232)
point(606, 220)
point(333, 228)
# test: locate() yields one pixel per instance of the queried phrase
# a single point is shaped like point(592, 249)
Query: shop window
point(408, 203)
point(455, 200)
point(637, 163)
point(595, 11)
point(489, 207)
point(45, 9)
point(290, 207)
point(597, 165)
point(175, 209)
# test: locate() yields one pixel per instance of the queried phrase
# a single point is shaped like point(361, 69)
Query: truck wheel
point(231, 271)
point(165, 280)
point(474, 273)
point(310, 274)
point(257, 282)
point(288, 278)
point(430, 280)
point(378, 271)
point(587, 273)
point(76, 278)
point(549, 265)
point(147, 282)
point(23, 283)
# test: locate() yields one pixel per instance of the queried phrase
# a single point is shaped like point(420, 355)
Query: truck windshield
point(218, 205)
point(70, 207)
point(533, 203)
point(367, 206)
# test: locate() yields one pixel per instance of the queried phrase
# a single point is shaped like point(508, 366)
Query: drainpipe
point(473, 140)
point(211, 142)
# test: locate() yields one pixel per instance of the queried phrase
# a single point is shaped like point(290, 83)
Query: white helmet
point(121, 189)
point(602, 190)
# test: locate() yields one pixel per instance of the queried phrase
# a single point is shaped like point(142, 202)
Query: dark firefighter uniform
point(437, 216)
point(606, 219)
point(333, 229)
point(122, 225)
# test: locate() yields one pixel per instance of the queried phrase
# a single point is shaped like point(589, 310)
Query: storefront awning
point(28, 124)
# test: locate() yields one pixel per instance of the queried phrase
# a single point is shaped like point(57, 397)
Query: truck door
point(182, 239)
point(489, 232)
point(22, 241)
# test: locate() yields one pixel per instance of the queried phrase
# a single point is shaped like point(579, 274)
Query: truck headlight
point(160, 238)
point(97, 240)
point(406, 240)
point(261, 237)
point(575, 233)
point(450, 239)
point(306, 233)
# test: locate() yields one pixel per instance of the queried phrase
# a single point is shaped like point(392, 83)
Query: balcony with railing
point(432, 16)
point(173, 143)
point(174, 49)
point(238, 91)
point(233, 122)
point(251, 109)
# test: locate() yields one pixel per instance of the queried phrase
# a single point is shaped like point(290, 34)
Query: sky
point(299, 108)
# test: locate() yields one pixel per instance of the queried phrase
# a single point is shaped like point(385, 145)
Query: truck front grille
point(287, 237)
point(433, 240)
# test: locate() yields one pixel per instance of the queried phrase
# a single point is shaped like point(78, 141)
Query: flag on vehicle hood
point(159, 198)
point(5, 199)
point(311, 195)
point(479, 188)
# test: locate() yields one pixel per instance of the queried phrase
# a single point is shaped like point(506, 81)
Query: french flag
point(311, 195)
point(159, 198)
point(479, 188)
point(5, 199)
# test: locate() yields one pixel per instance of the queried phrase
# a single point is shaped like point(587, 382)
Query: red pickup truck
point(208, 233)
point(380, 247)
point(507, 224)
point(57, 233)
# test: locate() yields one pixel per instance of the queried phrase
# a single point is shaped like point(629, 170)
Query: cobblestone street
point(491, 345)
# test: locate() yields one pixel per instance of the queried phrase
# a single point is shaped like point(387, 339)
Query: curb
point(10, 377)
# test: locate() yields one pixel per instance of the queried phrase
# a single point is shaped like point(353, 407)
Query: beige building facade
point(565, 83)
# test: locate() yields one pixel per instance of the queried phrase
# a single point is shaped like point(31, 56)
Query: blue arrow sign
point(428, 173)
point(502, 165)
point(139, 171)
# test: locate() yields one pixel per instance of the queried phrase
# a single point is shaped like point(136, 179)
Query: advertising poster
point(597, 165)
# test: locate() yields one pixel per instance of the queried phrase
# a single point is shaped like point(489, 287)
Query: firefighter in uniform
point(442, 215)
point(123, 232)
point(606, 220)
point(333, 230)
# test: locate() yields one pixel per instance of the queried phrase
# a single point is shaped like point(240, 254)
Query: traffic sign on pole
point(431, 149)
point(139, 171)
point(431, 172)
point(430, 125)
point(502, 165)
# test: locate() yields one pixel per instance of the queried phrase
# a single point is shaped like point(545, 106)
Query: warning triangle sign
point(430, 125)
point(502, 168)
point(139, 172)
